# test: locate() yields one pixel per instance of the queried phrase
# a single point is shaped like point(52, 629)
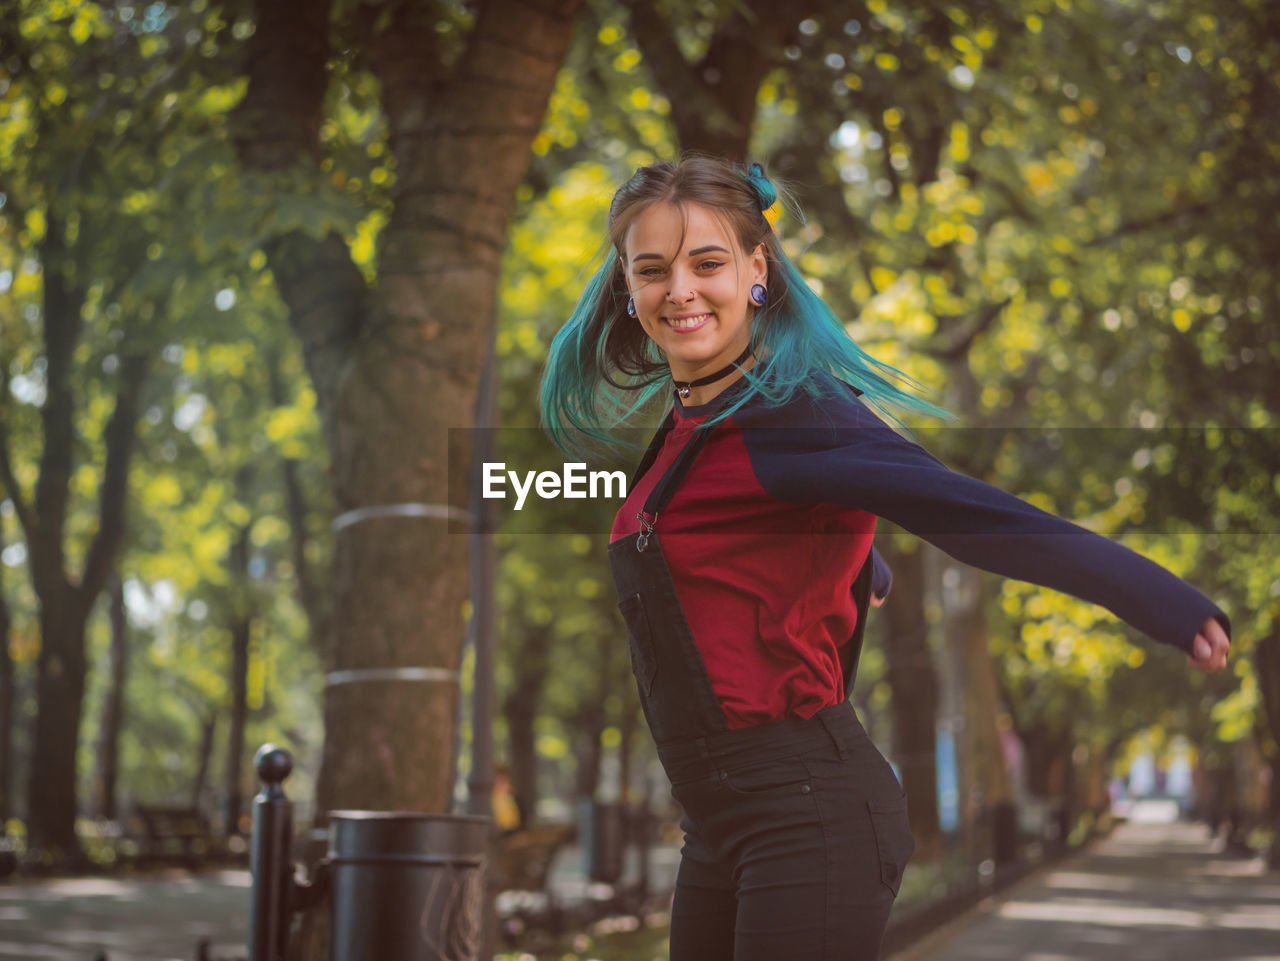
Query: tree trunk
point(521, 710)
point(60, 680)
point(394, 366)
point(65, 598)
point(1267, 668)
point(713, 100)
point(591, 721)
point(7, 690)
point(1045, 747)
point(914, 683)
point(313, 600)
point(982, 778)
point(588, 727)
point(208, 727)
point(109, 728)
point(627, 726)
point(237, 683)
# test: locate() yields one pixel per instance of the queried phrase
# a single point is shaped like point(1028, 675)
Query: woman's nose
point(681, 289)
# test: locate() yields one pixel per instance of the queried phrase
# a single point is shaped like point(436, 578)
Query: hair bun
point(766, 192)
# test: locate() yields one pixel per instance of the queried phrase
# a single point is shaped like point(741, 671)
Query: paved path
point(1149, 892)
point(162, 918)
point(149, 919)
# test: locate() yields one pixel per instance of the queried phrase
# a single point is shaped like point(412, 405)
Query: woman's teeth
point(679, 322)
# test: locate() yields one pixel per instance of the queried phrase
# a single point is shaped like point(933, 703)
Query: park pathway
point(143, 919)
point(162, 918)
point(1148, 892)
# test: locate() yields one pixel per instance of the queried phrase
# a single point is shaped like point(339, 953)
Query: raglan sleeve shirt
point(837, 451)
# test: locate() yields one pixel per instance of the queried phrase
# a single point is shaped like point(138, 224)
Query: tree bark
point(521, 710)
point(964, 615)
point(1267, 668)
point(240, 628)
point(7, 689)
point(113, 705)
point(208, 727)
point(396, 364)
point(914, 683)
point(713, 100)
point(313, 600)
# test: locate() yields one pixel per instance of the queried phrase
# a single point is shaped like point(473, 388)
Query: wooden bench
point(519, 870)
point(171, 834)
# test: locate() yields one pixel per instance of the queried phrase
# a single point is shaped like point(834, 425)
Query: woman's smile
point(690, 279)
point(688, 322)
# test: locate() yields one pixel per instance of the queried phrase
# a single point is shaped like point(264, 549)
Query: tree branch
point(20, 505)
point(309, 595)
point(958, 344)
point(278, 122)
point(1149, 223)
point(61, 303)
point(277, 128)
point(685, 85)
point(120, 435)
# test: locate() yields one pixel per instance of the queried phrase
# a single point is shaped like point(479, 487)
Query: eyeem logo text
point(573, 482)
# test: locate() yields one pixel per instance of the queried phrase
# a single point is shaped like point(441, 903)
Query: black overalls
point(796, 831)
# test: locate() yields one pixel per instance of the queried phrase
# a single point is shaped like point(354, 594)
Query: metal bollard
point(276, 894)
point(269, 859)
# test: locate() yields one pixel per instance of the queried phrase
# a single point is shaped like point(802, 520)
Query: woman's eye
point(650, 271)
point(709, 265)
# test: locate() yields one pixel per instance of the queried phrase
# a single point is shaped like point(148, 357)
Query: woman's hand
point(1211, 646)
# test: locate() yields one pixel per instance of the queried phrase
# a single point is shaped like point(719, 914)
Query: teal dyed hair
point(603, 369)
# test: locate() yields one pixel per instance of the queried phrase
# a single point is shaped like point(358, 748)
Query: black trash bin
point(406, 887)
point(606, 836)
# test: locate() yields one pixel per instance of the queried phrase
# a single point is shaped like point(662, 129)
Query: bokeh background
point(253, 259)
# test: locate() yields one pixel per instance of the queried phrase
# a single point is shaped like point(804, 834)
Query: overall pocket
point(777, 778)
point(893, 839)
point(644, 662)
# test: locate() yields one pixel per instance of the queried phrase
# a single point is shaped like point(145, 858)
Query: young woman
point(749, 518)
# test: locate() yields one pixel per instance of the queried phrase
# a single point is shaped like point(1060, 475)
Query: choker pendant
point(684, 387)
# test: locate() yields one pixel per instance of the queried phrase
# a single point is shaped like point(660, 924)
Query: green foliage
point(1058, 196)
point(119, 180)
point(1073, 199)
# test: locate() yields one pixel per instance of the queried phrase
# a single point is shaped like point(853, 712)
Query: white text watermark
point(573, 481)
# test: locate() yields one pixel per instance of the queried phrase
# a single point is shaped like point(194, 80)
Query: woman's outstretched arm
point(855, 459)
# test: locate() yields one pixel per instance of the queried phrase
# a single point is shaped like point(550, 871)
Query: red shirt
point(765, 591)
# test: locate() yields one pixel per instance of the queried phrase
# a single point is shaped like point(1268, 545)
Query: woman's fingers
point(1210, 648)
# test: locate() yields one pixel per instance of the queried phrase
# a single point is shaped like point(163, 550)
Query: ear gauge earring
point(759, 295)
point(631, 307)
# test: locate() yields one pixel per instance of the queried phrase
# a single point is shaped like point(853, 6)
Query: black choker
point(684, 386)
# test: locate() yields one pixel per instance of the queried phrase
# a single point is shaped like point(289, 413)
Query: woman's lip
point(685, 330)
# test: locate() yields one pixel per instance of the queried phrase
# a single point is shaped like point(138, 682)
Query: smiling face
point(691, 281)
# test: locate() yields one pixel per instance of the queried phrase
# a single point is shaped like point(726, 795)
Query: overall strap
point(655, 447)
point(665, 489)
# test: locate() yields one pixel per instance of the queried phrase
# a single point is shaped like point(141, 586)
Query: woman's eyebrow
point(692, 253)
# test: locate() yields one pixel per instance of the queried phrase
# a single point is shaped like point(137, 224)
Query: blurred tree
point(7, 706)
point(99, 164)
point(107, 764)
point(456, 96)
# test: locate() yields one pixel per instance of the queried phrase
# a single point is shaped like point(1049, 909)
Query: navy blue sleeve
point(838, 452)
point(881, 575)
